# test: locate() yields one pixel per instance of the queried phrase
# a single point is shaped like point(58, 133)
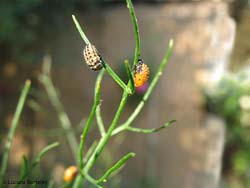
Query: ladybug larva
point(92, 57)
point(70, 173)
point(141, 74)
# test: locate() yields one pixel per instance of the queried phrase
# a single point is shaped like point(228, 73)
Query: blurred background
point(206, 88)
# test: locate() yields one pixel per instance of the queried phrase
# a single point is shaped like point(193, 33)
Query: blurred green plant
point(65, 122)
point(230, 98)
point(26, 169)
point(12, 130)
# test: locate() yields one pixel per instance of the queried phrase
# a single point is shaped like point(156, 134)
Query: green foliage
point(230, 98)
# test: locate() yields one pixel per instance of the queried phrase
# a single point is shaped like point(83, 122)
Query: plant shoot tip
point(171, 42)
point(28, 82)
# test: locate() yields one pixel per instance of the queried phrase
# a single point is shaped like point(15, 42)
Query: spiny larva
point(141, 74)
point(92, 57)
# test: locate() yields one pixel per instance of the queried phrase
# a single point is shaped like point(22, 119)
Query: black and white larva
point(92, 57)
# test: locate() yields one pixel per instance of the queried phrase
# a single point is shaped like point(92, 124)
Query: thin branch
point(90, 151)
point(55, 101)
point(92, 180)
point(141, 130)
point(13, 127)
point(131, 84)
point(116, 77)
point(90, 118)
point(136, 31)
point(115, 167)
point(79, 29)
point(37, 160)
point(103, 141)
point(78, 181)
point(148, 131)
point(99, 120)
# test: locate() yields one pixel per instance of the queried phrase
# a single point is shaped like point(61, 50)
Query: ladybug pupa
point(92, 57)
point(70, 173)
point(141, 74)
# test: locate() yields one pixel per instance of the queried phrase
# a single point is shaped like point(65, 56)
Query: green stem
point(116, 78)
point(130, 84)
point(90, 118)
point(141, 130)
point(12, 130)
point(115, 167)
point(90, 151)
point(78, 27)
point(150, 89)
point(136, 31)
point(148, 131)
point(92, 180)
point(62, 115)
point(103, 141)
point(37, 160)
point(99, 121)
point(78, 181)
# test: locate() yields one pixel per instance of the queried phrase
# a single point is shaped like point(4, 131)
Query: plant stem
point(153, 130)
point(99, 120)
point(37, 160)
point(78, 181)
point(12, 130)
point(130, 84)
point(103, 141)
point(116, 77)
point(90, 151)
point(142, 130)
point(62, 115)
point(90, 118)
point(84, 37)
point(136, 31)
point(115, 167)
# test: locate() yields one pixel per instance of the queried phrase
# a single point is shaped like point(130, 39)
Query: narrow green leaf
point(115, 77)
point(136, 31)
point(147, 131)
point(54, 98)
point(37, 160)
point(115, 167)
point(90, 151)
point(45, 150)
point(99, 120)
point(130, 76)
point(90, 118)
point(79, 29)
point(12, 130)
point(24, 167)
